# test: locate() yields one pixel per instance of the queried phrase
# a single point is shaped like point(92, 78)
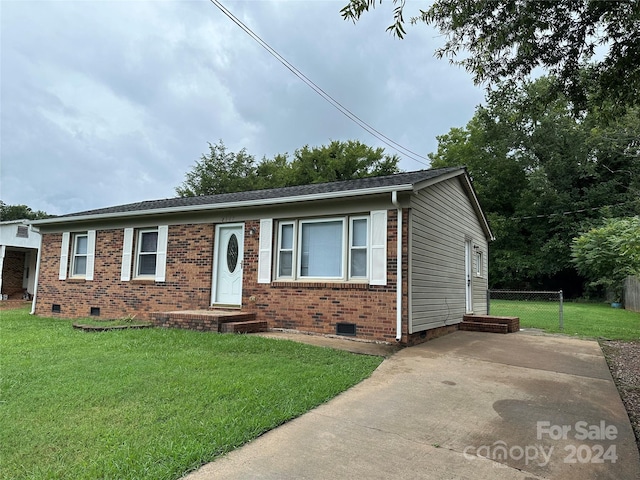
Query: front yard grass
point(151, 403)
point(593, 320)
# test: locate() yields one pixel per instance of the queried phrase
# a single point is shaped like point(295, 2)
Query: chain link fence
point(535, 308)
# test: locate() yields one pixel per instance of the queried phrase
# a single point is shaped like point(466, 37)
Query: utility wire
point(549, 215)
point(341, 108)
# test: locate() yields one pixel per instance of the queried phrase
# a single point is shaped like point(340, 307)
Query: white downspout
point(37, 274)
point(394, 200)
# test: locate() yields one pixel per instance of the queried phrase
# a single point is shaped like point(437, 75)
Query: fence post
point(561, 313)
point(488, 301)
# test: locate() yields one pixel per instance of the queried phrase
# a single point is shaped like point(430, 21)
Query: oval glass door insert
point(232, 253)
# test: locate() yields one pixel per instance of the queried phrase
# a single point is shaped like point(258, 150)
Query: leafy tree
point(220, 171)
point(542, 176)
point(19, 212)
point(225, 172)
point(341, 161)
point(607, 254)
point(509, 39)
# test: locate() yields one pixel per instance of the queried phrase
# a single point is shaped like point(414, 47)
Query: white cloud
point(112, 102)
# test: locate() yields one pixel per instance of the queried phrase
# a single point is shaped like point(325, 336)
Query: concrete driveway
point(465, 406)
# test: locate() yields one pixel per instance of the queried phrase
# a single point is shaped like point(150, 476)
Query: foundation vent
point(348, 329)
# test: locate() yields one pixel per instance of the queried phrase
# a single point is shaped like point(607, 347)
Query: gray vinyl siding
point(442, 219)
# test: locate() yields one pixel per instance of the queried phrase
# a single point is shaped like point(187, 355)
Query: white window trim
point(299, 249)
point(130, 256)
point(279, 250)
point(347, 239)
point(67, 265)
point(366, 247)
point(136, 268)
point(74, 255)
point(479, 263)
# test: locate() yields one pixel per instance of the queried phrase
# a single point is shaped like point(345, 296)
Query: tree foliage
point(542, 177)
point(607, 254)
point(222, 171)
point(19, 212)
point(509, 39)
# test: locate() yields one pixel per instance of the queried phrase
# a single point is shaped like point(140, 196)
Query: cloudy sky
point(111, 102)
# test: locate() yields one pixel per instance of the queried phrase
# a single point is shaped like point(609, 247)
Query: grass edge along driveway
point(154, 403)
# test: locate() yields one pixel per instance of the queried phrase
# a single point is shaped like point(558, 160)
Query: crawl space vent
point(346, 329)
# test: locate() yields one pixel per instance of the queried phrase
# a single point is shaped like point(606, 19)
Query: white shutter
point(64, 256)
point(264, 253)
point(91, 253)
point(378, 258)
point(161, 253)
point(127, 247)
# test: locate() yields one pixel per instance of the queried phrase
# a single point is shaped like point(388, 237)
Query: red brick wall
point(317, 307)
point(308, 307)
point(187, 286)
point(12, 273)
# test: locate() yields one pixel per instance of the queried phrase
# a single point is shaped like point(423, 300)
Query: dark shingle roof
point(406, 178)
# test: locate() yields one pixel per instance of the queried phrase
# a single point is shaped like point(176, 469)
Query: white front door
point(468, 292)
point(227, 265)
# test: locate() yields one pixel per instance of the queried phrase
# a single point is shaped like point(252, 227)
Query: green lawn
point(593, 320)
point(152, 403)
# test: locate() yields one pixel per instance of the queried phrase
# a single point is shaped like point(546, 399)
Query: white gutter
point(394, 200)
point(260, 202)
point(37, 274)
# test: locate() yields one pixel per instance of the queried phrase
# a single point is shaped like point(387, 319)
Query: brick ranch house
point(317, 258)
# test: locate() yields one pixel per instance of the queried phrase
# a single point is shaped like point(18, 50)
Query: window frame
point(292, 250)
point(347, 222)
point(139, 253)
point(479, 263)
point(310, 221)
point(366, 247)
point(75, 255)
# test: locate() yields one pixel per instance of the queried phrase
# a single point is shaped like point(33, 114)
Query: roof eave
point(218, 206)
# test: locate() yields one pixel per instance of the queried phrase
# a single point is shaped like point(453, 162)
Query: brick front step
point(252, 326)
point(484, 327)
point(203, 320)
point(512, 323)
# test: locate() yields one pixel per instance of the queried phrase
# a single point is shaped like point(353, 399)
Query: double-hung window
point(327, 248)
point(358, 247)
point(146, 253)
point(145, 250)
point(77, 255)
point(79, 258)
point(285, 250)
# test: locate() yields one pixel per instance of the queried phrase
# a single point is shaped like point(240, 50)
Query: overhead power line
point(582, 210)
point(337, 105)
